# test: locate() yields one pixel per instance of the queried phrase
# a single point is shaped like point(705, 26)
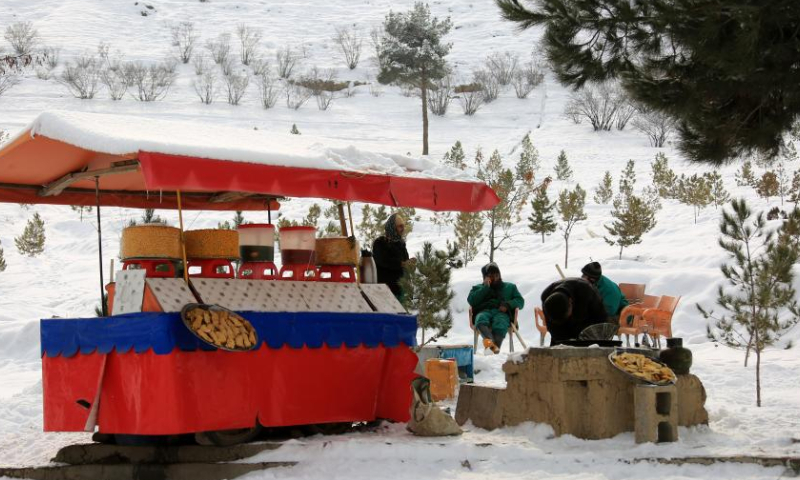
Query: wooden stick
point(560, 272)
point(353, 232)
point(183, 240)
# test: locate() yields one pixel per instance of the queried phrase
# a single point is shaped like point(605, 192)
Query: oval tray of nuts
point(642, 368)
point(219, 327)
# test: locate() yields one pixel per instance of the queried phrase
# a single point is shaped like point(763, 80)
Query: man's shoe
point(491, 346)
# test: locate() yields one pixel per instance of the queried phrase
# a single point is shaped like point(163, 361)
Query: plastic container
point(298, 245)
point(443, 375)
point(369, 271)
point(257, 242)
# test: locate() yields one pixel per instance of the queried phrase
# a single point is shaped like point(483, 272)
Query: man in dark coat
point(390, 255)
point(493, 303)
point(570, 305)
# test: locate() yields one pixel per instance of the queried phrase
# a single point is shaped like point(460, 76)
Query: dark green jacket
point(612, 296)
point(483, 298)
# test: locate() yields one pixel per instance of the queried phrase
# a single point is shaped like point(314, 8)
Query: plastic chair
point(634, 292)
point(659, 319)
point(512, 330)
point(636, 324)
point(541, 325)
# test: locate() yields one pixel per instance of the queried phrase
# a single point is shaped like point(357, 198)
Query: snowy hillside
point(678, 257)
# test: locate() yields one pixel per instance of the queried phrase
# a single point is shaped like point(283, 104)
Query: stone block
point(656, 413)
point(482, 405)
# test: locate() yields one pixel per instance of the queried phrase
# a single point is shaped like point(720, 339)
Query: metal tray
point(190, 306)
point(640, 379)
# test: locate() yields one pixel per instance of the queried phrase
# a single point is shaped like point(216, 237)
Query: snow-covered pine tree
point(719, 195)
point(529, 154)
point(664, 179)
point(570, 207)
point(745, 176)
point(31, 242)
point(428, 293)
point(541, 219)
point(412, 53)
point(695, 191)
point(633, 217)
point(605, 191)
point(468, 229)
point(760, 295)
point(562, 168)
point(627, 179)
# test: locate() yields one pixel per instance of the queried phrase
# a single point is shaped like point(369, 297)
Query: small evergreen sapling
point(469, 234)
point(664, 179)
point(760, 297)
point(31, 242)
point(541, 218)
point(768, 186)
point(570, 207)
point(745, 176)
point(633, 217)
point(294, 130)
point(794, 195)
point(719, 195)
point(372, 224)
point(695, 191)
point(81, 210)
point(628, 179)
point(563, 170)
point(605, 191)
point(454, 158)
point(2, 259)
point(428, 293)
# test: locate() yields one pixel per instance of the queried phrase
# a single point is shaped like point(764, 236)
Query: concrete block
point(655, 413)
point(482, 405)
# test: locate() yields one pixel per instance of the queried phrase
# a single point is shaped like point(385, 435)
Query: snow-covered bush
point(81, 77)
point(205, 86)
point(349, 41)
point(22, 36)
point(150, 82)
point(184, 39)
point(236, 85)
point(248, 42)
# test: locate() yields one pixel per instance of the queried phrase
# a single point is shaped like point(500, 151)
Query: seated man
point(570, 305)
point(493, 303)
point(612, 296)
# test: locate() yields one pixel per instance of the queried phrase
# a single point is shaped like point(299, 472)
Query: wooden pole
point(559, 271)
point(353, 232)
point(103, 308)
point(183, 240)
point(342, 221)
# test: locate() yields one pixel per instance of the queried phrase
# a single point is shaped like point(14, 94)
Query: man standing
point(493, 303)
point(391, 256)
point(570, 305)
point(612, 296)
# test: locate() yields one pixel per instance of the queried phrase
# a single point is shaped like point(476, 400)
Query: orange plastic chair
point(659, 319)
point(636, 324)
point(541, 325)
point(634, 292)
point(512, 330)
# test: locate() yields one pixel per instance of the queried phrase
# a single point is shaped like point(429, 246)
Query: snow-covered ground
point(677, 258)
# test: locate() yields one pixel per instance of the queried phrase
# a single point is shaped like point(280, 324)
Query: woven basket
point(150, 241)
point(212, 243)
point(337, 251)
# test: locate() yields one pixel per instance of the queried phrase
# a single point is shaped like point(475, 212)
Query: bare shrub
point(573, 113)
point(170, 65)
point(268, 89)
point(376, 35)
point(248, 42)
point(236, 85)
point(351, 89)
point(115, 81)
point(206, 86)
point(375, 88)
point(226, 66)
point(490, 87)
point(349, 41)
point(470, 97)
point(325, 99)
point(201, 64)
point(81, 77)
point(287, 60)
point(220, 48)
point(656, 125)
point(296, 95)
point(596, 104)
point(439, 96)
point(526, 79)
point(260, 66)
point(51, 56)
point(184, 39)
point(151, 82)
point(407, 90)
point(502, 66)
point(22, 36)
point(8, 80)
point(625, 111)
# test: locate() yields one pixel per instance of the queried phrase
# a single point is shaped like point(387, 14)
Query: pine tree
point(570, 207)
point(81, 210)
point(238, 219)
point(31, 242)
point(372, 224)
point(563, 171)
point(767, 186)
point(513, 187)
point(783, 180)
point(794, 196)
point(529, 154)
point(409, 216)
point(541, 218)
point(760, 297)
point(745, 176)
point(412, 53)
point(715, 68)
point(695, 191)
point(294, 130)
point(604, 192)
point(628, 179)
point(454, 158)
point(2, 259)
point(428, 293)
point(469, 234)
point(664, 179)
point(633, 217)
point(719, 195)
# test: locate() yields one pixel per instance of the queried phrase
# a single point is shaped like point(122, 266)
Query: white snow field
point(678, 257)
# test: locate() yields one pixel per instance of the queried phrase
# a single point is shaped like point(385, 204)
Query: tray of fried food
point(219, 327)
point(643, 368)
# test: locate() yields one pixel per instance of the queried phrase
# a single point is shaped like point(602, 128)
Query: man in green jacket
point(612, 296)
point(493, 303)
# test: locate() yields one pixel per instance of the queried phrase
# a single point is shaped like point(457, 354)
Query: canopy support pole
point(353, 233)
point(269, 213)
point(342, 222)
point(183, 240)
point(103, 308)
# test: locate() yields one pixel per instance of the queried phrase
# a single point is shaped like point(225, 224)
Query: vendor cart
point(327, 352)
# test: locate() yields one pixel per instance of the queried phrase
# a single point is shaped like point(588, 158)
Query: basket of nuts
point(219, 327)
